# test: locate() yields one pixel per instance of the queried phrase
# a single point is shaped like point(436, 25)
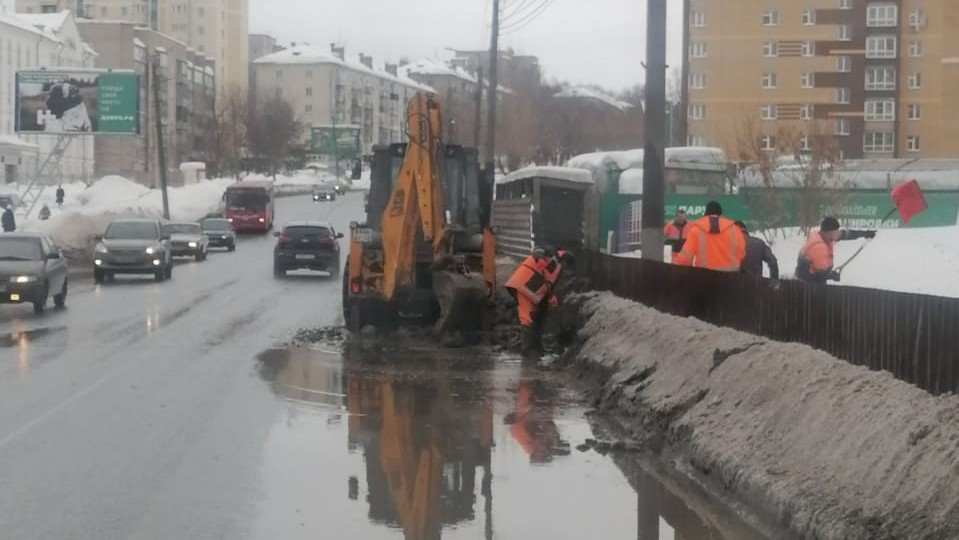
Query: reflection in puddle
point(429, 439)
point(22, 338)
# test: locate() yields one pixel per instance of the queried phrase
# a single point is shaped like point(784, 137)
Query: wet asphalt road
point(168, 411)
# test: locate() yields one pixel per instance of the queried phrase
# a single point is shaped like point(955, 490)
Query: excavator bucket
point(462, 301)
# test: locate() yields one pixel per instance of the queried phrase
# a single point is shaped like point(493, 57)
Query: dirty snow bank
point(831, 450)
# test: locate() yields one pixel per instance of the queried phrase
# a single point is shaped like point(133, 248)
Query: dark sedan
point(307, 245)
point(31, 269)
point(324, 193)
point(219, 232)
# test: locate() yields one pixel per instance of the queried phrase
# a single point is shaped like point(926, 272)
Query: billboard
point(78, 101)
point(347, 139)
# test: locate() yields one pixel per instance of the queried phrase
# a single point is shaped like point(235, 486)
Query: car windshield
point(182, 228)
point(216, 225)
point(20, 249)
point(301, 231)
point(247, 198)
point(131, 230)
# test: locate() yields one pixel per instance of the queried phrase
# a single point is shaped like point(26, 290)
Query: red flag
point(909, 200)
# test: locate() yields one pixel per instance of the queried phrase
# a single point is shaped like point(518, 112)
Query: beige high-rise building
point(877, 77)
point(216, 28)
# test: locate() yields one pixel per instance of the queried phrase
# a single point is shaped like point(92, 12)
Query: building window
point(698, 19)
point(807, 80)
point(200, 30)
point(309, 73)
point(912, 143)
point(915, 81)
point(916, 20)
point(768, 142)
point(805, 111)
point(770, 80)
point(124, 11)
point(842, 95)
point(770, 18)
point(881, 47)
point(881, 110)
point(915, 49)
point(279, 74)
point(845, 4)
point(770, 49)
point(201, 11)
point(103, 11)
point(843, 64)
point(842, 126)
point(882, 15)
point(697, 50)
point(697, 111)
point(880, 142)
point(914, 111)
point(767, 112)
point(309, 91)
point(808, 17)
point(808, 48)
point(881, 78)
point(804, 143)
point(697, 81)
point(845, 33)
point(308, 108)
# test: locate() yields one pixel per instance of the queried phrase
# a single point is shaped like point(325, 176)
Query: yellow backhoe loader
point(426, 251)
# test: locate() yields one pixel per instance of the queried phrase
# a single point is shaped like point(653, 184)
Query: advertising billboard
point(78, 102)
point(347, 137)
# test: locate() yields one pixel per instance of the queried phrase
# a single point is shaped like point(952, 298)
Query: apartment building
point(875, 77)
point(324, 87)
point(187, 86)
point(217, 28)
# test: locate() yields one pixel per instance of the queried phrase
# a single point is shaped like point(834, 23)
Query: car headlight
point(23, 279)
point(151, 251)
point(102, 249)
point(192, 244)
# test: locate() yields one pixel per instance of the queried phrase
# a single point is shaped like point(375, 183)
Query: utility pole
point(682, 131)
point(478, 122)
point(161, 150)
point(492, 98)
point(655, 131)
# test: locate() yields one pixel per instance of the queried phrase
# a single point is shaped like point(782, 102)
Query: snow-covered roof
point(160, 49)
point(54, 21)
point(932, 174)
point(580, 176)
point(631, 182)
point(589, 93)
point(598, 161)
point(209, 70)
point(427, 66)
point(683, 157)
point(308, 54)
point(17, 21)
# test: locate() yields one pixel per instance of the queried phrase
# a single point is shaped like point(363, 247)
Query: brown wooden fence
point(915, 337)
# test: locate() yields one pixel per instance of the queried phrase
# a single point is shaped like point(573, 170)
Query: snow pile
point(569, 174)
point(583, 92)
point(922, 261)
point(831, 450)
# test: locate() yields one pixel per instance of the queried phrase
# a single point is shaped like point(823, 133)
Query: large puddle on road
point(425, 445)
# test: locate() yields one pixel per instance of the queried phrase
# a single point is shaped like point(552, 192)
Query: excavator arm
point(417, 196)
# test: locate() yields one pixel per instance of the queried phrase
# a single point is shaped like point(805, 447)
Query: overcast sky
point(581, 41)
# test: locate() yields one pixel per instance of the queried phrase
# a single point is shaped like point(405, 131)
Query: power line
point(532, 16)
point(512, 12)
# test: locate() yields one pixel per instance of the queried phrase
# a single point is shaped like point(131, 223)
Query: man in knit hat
point(815, 263)
point(713, 242)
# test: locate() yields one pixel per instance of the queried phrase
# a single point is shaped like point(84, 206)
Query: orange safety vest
point(534, 278)
point(714, 243)
point(817, 254)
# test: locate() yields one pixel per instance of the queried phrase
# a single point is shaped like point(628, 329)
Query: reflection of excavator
point(421, 449)
point(426, 251)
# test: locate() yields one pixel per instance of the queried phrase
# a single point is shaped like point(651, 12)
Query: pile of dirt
point(830, 450)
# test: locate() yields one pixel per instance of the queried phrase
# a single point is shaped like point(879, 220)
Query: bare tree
point(225, 141)
point(273, 132)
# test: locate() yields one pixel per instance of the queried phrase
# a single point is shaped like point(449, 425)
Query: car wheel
point(199, 256)
point(41, 303)
point(278, 271)
point(231, 247)
point(60, 300)
point(159, 275)
point(169, 270)
point(99, 276)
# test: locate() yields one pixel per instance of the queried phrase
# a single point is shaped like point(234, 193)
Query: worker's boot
point(532, 342)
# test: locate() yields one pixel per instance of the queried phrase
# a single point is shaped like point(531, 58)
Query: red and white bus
point(249, 205)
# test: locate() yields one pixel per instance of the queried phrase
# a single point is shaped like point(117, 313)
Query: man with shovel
point(815, 263)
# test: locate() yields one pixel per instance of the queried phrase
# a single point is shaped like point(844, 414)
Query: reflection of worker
point(815, 263)
point(713, 242)
point(9, 221)
point(45, 213)
point(68, 109)
point(675, 233)
point(60, 196)
point(533, 426)
point(532, 285)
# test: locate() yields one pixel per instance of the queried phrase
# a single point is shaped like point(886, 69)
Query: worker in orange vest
point(675, 233)
point(815, 264)
point(713, 242)
point(532, 285)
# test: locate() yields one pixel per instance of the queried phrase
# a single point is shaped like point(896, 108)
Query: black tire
point(231, 247)
point(169, 270)
point(99, 276)
point(199, 256)
point(278, 271)
point(159, 275)
point(40, 305)
point(60, 300)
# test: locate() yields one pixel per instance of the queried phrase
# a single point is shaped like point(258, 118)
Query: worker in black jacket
point(757, 253)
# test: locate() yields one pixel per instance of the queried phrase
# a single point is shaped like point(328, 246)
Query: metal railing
point(915, 337)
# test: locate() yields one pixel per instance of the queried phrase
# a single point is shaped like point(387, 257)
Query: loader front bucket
point(462, 301)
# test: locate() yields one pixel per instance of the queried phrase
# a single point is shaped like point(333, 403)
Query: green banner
point(342, 141)
point(119, 103)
